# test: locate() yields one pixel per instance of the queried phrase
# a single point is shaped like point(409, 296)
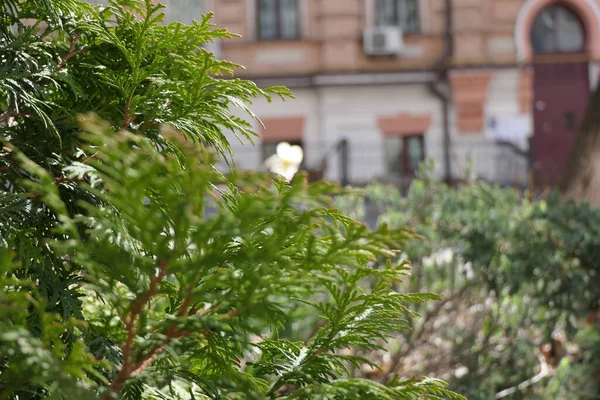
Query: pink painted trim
point(470, 91)
point(404, 124)
point(585, 10)
point(282, 128)
point(526, 90)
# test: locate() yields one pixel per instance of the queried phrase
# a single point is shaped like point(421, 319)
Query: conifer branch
point(272, 240)
point(127, 118)
point(6, 115)
point(10, 113)
point(149, 126)
point(128, 367)
point(71, 52)
point(152, 355)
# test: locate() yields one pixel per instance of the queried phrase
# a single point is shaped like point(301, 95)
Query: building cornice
point(348, 79)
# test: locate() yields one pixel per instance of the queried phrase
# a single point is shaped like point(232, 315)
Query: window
point(278, 19)
point(403, 154)
point(402, 13)
point(557, 30)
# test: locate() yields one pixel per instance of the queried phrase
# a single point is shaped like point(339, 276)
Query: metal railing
point(357, 162)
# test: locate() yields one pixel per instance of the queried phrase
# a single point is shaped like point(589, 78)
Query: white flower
point(286, 161)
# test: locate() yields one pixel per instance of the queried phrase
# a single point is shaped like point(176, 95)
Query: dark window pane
point(403, 154)
point(402, 13)
point(278, 19)
point(393, 154)
point(288, 19)
point(267, 19)
point(386, 14)
point(570, 35)
point(542, 33)
point(557, 29)
point(414, 152)
point(409, 15)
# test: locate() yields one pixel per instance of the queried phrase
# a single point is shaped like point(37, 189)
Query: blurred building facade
point(381, 85)
point(469, 77)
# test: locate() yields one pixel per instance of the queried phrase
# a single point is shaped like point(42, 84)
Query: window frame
point(557, 7)
point(396, 5)
point(404, 156)
point(277, 37)
point(406, 169)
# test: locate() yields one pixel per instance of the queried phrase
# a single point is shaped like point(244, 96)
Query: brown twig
point(128, 367)
point(397, 358)
point(233, 313)
point(133, 368)
point(6, 115)
point(203, 312)
point(149, 126)
point(147, 361)
point(71, 53)
point(184, 306)
point(152, 355)
point(9, 113)
point(127, 118)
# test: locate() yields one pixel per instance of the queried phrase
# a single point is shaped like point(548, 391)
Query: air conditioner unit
point(383, 41)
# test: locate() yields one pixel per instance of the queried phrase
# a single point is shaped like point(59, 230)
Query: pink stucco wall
point(486, 32)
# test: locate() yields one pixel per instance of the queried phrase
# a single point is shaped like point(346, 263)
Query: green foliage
point(118, 62)
point(576, 377)
point(33, 352)
point(188, 275)
point(61, 58)
point(515, 275)
point(132, 267)
point(121, 63)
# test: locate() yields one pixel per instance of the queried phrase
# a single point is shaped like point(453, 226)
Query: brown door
point(561, 93)
point(561, 89)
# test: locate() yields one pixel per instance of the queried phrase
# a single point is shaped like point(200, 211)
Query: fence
point(358, 162)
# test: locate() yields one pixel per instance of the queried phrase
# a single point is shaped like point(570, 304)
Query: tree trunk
point(581, 179)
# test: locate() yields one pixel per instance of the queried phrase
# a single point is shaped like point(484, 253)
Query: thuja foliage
point(60, 58)
point(131, 266)
point(187, 277)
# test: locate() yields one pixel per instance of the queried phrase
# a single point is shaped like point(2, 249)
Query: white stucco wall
point(333, 113)
point(351, 113)
point(503, 101)
point(488, 160)
point(305, 104)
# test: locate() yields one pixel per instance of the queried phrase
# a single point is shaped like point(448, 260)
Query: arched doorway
point(561, 88)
